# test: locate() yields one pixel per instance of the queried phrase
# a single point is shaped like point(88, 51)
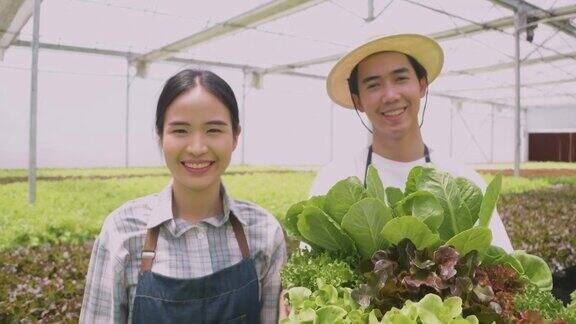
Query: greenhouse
point(82, 86)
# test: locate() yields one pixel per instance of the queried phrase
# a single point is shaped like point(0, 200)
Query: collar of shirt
point(162, 213)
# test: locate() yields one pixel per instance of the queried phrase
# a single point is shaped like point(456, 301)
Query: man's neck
point(195, 206)
point(406, 149)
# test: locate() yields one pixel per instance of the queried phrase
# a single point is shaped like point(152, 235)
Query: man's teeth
point(394, 112)
point(197, 165)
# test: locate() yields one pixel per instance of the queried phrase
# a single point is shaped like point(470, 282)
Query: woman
point(189, 254)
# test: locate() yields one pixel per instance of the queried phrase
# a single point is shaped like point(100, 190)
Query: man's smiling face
point(389, 94)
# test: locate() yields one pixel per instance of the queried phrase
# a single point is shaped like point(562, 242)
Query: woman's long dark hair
point(190, 79)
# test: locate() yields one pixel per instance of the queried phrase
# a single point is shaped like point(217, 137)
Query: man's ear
point(423, 86)
point(357, 103)
point(236, 135)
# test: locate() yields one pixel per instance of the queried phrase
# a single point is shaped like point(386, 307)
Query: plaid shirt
point(184, 250)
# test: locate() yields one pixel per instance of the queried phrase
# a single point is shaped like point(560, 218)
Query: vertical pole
point(127, 122)
point(370, 16)
point(243, 157)
point(570, 150)
point(331, 131)
point(519, 22)
point(34, 105)
point(451, 127)
point(492, 134)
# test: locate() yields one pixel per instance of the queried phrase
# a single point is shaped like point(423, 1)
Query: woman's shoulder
point(131, 216)
point(254, 214)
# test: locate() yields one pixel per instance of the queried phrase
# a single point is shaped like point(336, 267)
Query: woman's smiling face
point(198, 139)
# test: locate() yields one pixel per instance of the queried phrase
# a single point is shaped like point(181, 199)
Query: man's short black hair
point(418, 68)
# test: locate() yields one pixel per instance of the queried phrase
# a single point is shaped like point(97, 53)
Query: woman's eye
point(373, 85)
point(179, 131)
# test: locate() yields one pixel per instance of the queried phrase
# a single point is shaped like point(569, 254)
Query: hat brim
point(424, 49)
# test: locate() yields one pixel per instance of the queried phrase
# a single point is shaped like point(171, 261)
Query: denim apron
point(369, 160)
point(230, 295)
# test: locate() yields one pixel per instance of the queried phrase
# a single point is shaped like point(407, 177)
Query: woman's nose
point(197, 145)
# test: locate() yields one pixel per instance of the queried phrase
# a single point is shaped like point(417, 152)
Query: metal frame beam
point(129, 55)
point(535, 11)
point(14, 15)
point(509, 65)
point(524, 85)
point(264, 13)
point(178, 60)
point(497, 24)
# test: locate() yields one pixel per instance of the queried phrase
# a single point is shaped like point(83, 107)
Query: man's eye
point(214, 130)
point(179, 131)
point(373, 85)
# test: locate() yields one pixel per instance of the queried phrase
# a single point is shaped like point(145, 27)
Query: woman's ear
point(236, 134)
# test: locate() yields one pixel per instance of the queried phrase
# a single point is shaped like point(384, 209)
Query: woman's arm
point(271, 284)
point(105, 295)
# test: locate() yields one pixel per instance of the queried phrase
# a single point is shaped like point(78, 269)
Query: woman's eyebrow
point(178, 123)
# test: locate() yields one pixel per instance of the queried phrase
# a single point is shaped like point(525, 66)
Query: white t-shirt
point(394, 174)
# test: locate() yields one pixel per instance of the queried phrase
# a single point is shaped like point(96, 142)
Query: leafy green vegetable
point(424, 206)
point(411, 228)
point(412, 180)
point(471, 195)
point(477, 238)
point(328, 304)
point(317, 227)
point(291, 219)
point(364, 222)
point(430, 310)
point(497, 255)
point(374, 186)
point(457, 217)
point(318, 201)
point(305, 268)
point(535, 299)
point(535, 269)
point(490, 200)
point(393, 196)
point(342, 196)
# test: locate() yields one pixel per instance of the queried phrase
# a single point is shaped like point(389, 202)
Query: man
point(386, 79)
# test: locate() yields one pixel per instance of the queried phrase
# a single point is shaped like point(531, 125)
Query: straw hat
point(424, 49)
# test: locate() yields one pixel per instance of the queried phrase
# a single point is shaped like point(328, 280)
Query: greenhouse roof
point(305, 38)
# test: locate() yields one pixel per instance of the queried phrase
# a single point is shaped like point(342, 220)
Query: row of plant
point(43, 284)
point(123, 172)
point(72, 211)
point(542, 222)
point(421, 255)
point(32, 287)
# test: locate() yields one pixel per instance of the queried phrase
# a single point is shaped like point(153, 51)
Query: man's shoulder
point(338, 169)
point(456, 168)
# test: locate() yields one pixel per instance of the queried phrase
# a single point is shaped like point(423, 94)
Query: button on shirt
point(184, 250)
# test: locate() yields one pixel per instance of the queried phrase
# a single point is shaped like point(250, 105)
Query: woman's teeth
point(197, 165)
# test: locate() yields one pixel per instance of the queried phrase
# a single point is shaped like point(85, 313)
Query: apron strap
point(240, 236)
point(368, 162)
point(149, 250)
